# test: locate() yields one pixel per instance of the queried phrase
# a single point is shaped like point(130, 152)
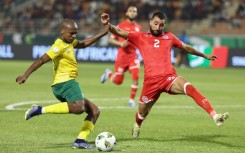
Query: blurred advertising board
point(227, 57)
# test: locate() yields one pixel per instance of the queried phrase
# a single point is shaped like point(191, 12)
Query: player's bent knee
point(96, 112)
point(76, 108)
point(143, 114)
point(118, 81)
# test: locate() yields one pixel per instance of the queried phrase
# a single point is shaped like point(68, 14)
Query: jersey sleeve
point(74, 43)
point(133, 37)
point(176, 42)
point(55, 50)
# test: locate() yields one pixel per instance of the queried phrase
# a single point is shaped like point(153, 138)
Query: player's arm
point(89, 41)
point(118, 43)
point(38, 63)
point(113, 29)
point(189, 49)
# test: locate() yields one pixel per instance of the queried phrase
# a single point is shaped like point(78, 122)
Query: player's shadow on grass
point(194, 138)
point(205, 139)
point(68, 148)
point(57, 145)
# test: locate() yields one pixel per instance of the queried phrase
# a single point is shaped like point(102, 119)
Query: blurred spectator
point(44, 16)
point(1, 37)
point(230, 10)
point(241, 10)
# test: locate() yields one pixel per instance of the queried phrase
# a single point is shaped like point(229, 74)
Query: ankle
point(79, 140)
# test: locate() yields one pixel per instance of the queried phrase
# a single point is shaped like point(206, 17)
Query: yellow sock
point(60, 108)
point(87, 127)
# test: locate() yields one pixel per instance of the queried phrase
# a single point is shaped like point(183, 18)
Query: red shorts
point(154, 86)
point(133, 67)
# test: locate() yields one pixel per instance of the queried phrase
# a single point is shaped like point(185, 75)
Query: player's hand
point(124, 44)
point(105, 18)
point(211, 57)
point(21, 79)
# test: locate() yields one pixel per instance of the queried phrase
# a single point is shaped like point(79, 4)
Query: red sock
point(191, 91)
point(139, 119)
point(134, 89)
point(110, 75)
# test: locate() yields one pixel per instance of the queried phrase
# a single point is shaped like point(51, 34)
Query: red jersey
point(128, 53)
point(155, 51)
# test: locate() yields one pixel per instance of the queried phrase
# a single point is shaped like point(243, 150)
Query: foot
point(136, 131)
point(105, 75)
point(219, 119)
point(81, 144)
point(131, 103)
point(33, 111)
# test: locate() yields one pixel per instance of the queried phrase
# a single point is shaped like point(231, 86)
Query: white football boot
point(219, 119)
point(136, 131)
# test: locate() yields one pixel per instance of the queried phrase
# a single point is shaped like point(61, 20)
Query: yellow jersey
point(64, 61)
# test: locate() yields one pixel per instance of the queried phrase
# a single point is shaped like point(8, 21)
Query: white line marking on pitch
point(13, 106)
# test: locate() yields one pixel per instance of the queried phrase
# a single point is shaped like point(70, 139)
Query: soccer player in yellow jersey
point(64, 87)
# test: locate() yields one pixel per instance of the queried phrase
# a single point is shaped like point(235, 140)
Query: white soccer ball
point(105, 141)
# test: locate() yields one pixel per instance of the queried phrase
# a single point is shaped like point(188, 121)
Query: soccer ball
point(105, 141)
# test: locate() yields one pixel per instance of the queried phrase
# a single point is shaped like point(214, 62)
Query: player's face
point(69, 33)
point(156, 26)
point(131, 13)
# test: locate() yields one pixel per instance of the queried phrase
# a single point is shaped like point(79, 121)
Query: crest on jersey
point(145, 99)
point(165, 37)
point(55, 49)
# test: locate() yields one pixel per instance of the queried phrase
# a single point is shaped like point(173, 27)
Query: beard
point(155, 32)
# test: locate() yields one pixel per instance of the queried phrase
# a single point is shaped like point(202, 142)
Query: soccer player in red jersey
point(159, 74)
point(127, 59)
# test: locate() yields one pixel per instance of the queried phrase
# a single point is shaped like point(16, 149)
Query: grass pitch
point(176, 124)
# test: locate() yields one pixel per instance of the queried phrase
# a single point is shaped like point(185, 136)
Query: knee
point(143, 114)
point(92, 109)
point(77, 108)
point(96, 112)
point(118, 81)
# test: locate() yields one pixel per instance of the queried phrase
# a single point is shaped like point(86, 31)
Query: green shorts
point(68, 91)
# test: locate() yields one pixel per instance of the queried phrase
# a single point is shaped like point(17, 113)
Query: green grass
point(176, 124)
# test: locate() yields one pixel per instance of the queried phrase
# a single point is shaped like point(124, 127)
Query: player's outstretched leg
point(33, 111)
point(219, 119)
point(136, 131)
point(105, 75)
point(81, 144)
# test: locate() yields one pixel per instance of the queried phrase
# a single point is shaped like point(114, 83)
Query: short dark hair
point(160, 15)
